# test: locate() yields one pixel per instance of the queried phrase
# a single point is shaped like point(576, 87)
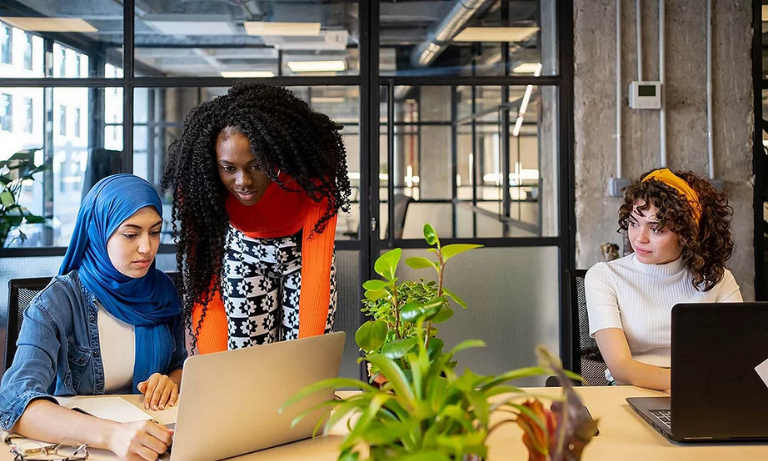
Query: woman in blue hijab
point(109, 323)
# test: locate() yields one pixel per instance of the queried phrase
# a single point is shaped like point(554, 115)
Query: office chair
point(586, 359)
point(20, 294)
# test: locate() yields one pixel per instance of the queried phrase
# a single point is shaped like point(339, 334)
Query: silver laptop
point(229, 401)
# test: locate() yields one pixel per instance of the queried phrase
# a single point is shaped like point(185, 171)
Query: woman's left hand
point(159, 391)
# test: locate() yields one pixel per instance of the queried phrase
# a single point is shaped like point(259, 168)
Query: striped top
point(280, 213)
point(638, 298)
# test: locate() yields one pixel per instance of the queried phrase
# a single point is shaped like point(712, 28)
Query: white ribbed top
point(638, 298)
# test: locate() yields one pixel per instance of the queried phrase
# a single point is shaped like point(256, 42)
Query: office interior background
point(493, 120)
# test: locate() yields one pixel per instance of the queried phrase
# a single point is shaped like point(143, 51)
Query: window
point(63, 120)
point(77, 122)
point(6, 111)
point(29, 114)
point(27, 51)
point(78, 61)
point(6, 44)
point(62, 62)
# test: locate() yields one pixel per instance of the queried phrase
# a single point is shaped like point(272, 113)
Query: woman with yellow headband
point(679, 228)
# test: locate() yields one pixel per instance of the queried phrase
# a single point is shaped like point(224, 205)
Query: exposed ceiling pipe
point(438, 37)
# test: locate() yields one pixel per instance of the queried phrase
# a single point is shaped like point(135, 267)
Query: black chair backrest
point(587, 360)
point(20, 294)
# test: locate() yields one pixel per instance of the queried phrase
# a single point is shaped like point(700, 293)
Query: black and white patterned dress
point(262, 287)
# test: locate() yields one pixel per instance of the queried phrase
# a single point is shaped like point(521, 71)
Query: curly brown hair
point(706, 245)
point(288, 135)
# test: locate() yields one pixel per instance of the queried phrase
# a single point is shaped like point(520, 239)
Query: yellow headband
point(683, 188)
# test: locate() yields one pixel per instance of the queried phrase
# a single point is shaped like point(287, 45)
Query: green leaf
point(511, 375)
point(387, 263)
point(374, 285)
point(430, 235)
point(467, 344)
point(418, 262)
point(7, 198)
point(454, 297)
point(399, 347)
point(416, 310)
point(449, 251)
point(376, 295)
point(480, 406)
point(395, 376)
point(427, 455)
point(34, 219)
point(333, 383)
point(371, 335)
point(443, 315)
point(434, 348)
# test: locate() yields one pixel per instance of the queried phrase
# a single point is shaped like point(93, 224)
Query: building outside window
point(77, 122)
point(78, 61)
point(6, 112)
point(27, 51)
point(29, 114)
point(63, 120)
point(6, 44)
point(62, 62)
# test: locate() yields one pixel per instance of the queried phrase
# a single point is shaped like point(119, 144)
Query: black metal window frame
point(759, 160)
point(369, 81)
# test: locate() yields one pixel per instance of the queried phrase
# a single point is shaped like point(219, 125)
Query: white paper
point(112, 408)
point(762, 371)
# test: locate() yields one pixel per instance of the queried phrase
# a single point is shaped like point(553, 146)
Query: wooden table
point(623, 436)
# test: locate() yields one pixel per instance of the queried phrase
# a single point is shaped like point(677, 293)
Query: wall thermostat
point(645, 95)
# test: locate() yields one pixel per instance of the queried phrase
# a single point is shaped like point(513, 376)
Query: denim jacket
point(58, 350)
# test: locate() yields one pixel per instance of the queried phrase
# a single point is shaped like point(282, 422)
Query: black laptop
point(717, 395)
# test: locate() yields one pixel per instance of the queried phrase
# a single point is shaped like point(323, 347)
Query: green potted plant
point(422, 409)
point(18, 168)
point(395, 308)
point(426, 411)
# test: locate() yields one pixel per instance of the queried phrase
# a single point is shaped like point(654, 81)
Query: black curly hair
point(707, 245)
point(288, 136)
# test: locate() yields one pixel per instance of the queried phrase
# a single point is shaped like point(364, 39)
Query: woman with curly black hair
point(258, 178)
point(679, 228)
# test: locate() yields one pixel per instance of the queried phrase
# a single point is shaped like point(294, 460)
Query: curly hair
point(288, 136)
point(706, 245)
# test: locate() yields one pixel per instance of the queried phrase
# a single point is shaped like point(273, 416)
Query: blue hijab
point(149, 303)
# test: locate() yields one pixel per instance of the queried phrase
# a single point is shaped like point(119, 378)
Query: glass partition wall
point(454, 113)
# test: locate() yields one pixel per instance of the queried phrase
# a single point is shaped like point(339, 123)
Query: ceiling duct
point(437, 38)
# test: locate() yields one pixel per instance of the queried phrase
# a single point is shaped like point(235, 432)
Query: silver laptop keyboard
point(665, 416)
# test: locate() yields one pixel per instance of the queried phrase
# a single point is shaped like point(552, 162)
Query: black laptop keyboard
point(665, 416)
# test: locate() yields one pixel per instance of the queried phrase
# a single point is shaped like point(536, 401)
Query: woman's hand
point(139, 441)
point(159, 391)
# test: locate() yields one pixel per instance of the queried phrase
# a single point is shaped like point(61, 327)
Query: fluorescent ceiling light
point(247, 74)
point(528, 68)
point(285, 29)
point(518, 125)
point(327, 100)
point(50, 24)
point(495, 34)
point(317, 66)
point(191, 27)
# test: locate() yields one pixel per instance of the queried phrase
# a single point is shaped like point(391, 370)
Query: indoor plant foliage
point(395, 308)
point(13, 172)
point(424, 410)
point(433, 414)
